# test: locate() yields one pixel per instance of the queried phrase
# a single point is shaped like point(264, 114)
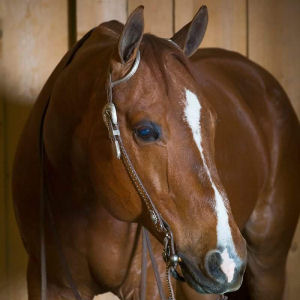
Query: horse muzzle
point(216, 278)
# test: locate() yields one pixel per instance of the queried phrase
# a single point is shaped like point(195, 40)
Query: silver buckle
point(110, 119)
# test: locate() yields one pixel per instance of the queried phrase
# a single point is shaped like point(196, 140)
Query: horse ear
point(191, 35)
point(131, 35)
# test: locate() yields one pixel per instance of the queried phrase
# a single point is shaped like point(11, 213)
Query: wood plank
point(226, 26)
point(91, 13)
point(274, 41)
point(3, 223)
point(273, 26)
point(158, 16)
point(34, 39)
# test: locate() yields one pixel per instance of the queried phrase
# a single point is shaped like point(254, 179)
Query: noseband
point(110, 118)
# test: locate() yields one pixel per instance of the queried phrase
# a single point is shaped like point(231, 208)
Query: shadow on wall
point(13, 258)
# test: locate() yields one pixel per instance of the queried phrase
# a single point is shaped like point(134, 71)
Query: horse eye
point(147, 131)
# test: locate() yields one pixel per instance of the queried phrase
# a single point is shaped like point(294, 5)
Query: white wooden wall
point(34, 36)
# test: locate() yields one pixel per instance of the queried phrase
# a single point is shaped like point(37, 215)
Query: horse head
point(168, 126)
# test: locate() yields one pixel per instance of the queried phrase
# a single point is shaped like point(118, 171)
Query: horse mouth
point(193, 280)
point(181, 275)
point(202, 283)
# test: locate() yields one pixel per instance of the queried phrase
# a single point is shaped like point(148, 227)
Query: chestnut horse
point(214, 141)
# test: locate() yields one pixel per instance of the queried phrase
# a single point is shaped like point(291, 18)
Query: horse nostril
point(213, 261)
point(225, 268)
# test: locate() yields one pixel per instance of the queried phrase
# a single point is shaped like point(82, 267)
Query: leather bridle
point(109, 114)
point(110, 118)
point(170, 257)
point(111, 121)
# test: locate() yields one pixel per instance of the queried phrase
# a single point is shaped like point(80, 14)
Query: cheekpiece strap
point(109, 114)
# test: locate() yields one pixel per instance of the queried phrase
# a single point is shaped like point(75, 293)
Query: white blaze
point(227, 265)
point(192, 113)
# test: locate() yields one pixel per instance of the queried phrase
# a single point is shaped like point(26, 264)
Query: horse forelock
point(162, 57)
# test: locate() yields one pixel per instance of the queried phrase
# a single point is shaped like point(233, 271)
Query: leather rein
point(109, 114)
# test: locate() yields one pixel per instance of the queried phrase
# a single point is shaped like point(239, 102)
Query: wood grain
point(274, 43)
point(91, 13)
point(226, 26)
point(3, 185)
point(158, 16)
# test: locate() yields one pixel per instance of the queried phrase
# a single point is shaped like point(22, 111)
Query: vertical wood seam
point(5, 184)
point(173, 16)
point(128, 13)
point(72, 22)
point(247, 29)
point(4, 159)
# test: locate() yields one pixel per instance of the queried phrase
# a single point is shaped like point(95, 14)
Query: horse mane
point(113, 28)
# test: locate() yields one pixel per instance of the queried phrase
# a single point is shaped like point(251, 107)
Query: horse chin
point(194, 283)
point(199, 288)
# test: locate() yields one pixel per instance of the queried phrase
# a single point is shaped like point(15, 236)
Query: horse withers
point(208, 136)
